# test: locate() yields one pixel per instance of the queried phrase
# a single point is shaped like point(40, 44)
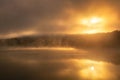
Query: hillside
point(101, 40)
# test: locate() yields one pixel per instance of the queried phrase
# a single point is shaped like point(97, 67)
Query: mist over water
point(59, 40)
point(59, 64)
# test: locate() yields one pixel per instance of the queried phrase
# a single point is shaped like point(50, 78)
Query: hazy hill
point(101, 40)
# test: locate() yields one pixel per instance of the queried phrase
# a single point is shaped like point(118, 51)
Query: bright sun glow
point(90, 31)
point(85, 22)
point(92, 21)
point(92, 68)
point(93, 25)
point(95, 20)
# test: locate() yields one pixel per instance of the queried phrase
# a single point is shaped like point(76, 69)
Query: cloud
point(47, 16)
point(21, 15)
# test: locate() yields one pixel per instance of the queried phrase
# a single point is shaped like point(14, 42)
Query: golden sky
point(58, 16)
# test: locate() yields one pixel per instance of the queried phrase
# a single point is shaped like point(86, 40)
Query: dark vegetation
point(101, 40)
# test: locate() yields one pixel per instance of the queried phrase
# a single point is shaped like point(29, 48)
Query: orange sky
point(53, 16)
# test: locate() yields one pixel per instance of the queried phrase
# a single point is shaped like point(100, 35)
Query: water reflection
point(55, 65)
point(95, 70)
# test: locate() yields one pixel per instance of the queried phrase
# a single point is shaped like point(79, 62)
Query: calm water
point(59, 64)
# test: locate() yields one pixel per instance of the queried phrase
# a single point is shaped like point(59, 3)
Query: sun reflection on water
point(95, 70)
point(92, 68)
point(63, 65)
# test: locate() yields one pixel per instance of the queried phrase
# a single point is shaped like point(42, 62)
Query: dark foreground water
point(59, 64)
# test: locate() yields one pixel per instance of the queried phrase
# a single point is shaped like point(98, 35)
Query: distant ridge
point(100, 40)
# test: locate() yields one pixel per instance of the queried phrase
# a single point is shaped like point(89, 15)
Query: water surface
point(58, 64)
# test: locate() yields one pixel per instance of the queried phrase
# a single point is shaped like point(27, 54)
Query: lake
point(59, 64)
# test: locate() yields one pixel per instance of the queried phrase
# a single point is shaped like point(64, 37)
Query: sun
point(92, 21)
point(92, 25)
point(92, 68)
point(95, 20)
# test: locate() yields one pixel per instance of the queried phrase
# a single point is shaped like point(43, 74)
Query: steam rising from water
point(44, 48)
